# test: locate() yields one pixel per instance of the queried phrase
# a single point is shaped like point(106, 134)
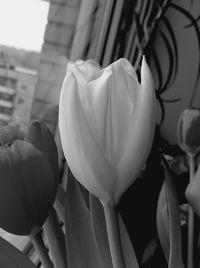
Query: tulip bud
point(193, 190)
point(188, 131)
point(29, 178)
point(107, 122)
point(27, 188)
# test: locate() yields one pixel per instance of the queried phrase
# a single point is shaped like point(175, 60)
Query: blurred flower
point(188, 131)
point(27, 183)
point(192, 192)
point(107, 122)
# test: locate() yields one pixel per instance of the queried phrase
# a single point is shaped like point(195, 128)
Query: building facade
point(17, 87)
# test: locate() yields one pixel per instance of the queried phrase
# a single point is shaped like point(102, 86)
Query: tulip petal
point(108, 106)
point(143, 125)
point(27, 189)
point(87, 68)
point(84, 156)
point(40, 137)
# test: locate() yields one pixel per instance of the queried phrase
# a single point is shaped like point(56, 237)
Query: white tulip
point(107, 122)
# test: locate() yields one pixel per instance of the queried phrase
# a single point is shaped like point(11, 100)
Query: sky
point(22, 23)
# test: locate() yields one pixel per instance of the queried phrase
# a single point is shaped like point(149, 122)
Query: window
point(3, 123)
point(20, 101)
point(6, 110)
point(8, 82)
point(24, 87)
point(7, 97)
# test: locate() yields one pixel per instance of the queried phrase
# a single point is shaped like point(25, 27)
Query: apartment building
point(17, 87)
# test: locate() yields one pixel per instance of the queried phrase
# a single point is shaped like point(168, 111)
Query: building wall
point(24, 97)
point(17, 87)
point(58, 37)
point(8, 84)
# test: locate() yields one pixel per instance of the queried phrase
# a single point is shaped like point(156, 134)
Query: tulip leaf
point(149, 252)
point(175, 238)
point(128, 250)
point(163, 222)
point(11, 257)
point(99, 225)
point(85, 195)
point(81, 245)
point(56, 240)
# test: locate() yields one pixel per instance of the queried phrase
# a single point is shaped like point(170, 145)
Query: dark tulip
point(27, 188)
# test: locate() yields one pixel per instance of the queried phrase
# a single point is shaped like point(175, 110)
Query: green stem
point(190, 254)
point(56, 240)
point(114, 239)
point(41, 249)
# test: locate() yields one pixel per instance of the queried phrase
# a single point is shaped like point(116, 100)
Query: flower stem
point(56, 240)
point(114, 239)
point(190, 255)
point(39, 245)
